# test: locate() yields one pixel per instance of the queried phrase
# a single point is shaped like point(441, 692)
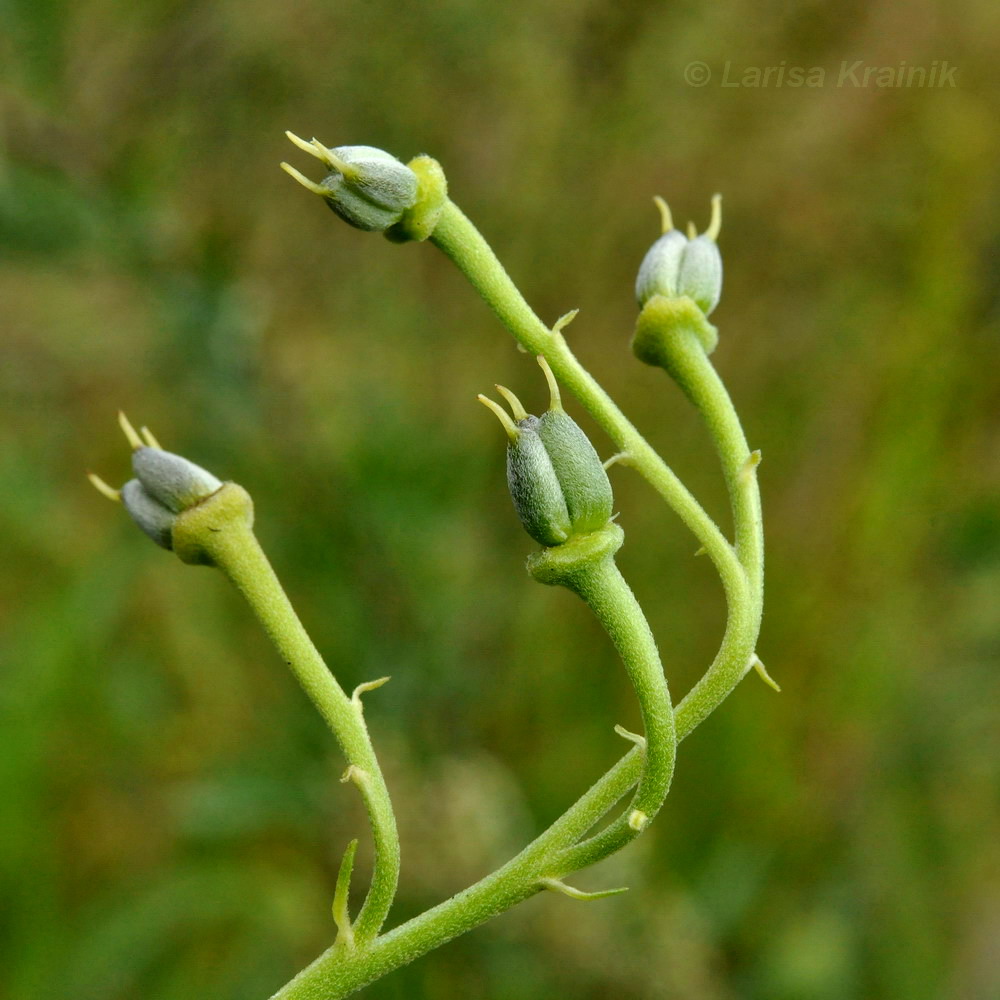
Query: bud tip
point(555, 400)
point(303, 180)
point(306, 147)
point(715, 223)
point(151, 441)
point(501, 414)
point(512, 401)
point(103, 488)
point(129, 431)
point(666, 219)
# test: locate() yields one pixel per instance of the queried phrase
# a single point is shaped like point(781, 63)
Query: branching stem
point(560, 849)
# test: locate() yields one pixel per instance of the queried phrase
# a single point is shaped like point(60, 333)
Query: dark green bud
point(585, 485)
point(535, 487)
point(556, 479)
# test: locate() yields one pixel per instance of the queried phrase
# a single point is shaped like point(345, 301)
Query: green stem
point(586, 565)
point(683, 355)
point(339, 972)
point(606, 593)
point(232, 546)
point(459, 239)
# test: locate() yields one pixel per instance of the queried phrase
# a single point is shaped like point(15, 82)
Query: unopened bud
point(556, 479)
point(165, 485)
point(367, 187)
point(678, 265)
point(535, 487)
point(171, 480)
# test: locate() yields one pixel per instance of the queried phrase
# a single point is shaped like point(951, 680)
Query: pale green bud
point(367, 187)
point(661, 267)
point(678, 265)
point(172, 481)
point(165, 485)
point(374, 192)
point(700, 275)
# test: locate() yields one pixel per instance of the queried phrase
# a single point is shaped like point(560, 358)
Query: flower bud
point(700, 275)
point(534, 486)
point(660, 268)
point(172, 481)
point(585, 485)
point(149, 514)
point(165, 485)
point(556, 479)
point(678, 265)
point(367, 187)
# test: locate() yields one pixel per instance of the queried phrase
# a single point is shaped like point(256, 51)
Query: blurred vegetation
point(170, 817)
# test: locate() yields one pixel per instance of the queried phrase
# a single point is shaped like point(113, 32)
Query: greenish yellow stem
point(340, 972)
point(459, 239)
point(219, 531)
point(560, 850)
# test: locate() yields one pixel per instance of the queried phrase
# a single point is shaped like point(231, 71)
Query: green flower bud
point(585, 485)
point(149, 514)
point(678, 265)
point(170, 480)
point(534, 486)
point(661, 267)
point(556, 479)
point(165, 485)
point(700, 276)
point(367, 187)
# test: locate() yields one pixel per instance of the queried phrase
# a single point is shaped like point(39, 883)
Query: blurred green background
point(170, 817)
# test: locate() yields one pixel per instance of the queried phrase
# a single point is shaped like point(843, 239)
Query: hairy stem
point(559, 850)
point(597, 580)
point(233, 547)
point(340, 972)
point(459, 239)
point(686, 361)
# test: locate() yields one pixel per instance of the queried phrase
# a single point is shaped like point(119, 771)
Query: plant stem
point(739, 568)
point(235, 550)
point(684, 357)
point(340, 972)
point(600, 584)
point(457, 237)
